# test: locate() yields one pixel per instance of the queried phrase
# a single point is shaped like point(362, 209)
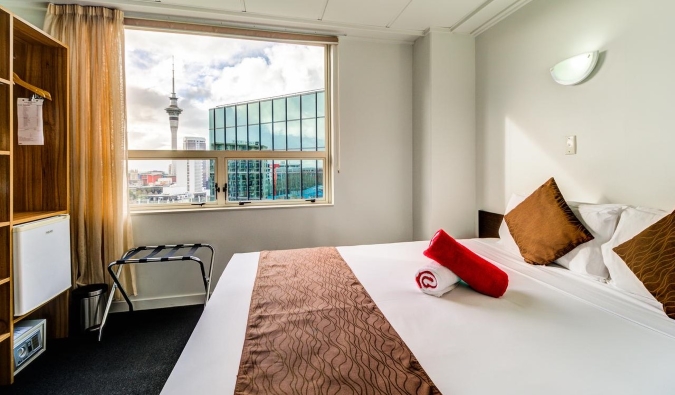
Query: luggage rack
point(156, 254)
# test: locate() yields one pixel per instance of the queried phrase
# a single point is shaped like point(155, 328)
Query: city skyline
point(209, 71)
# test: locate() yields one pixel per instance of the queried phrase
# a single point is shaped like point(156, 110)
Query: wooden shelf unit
point(34, 179)
point(6, 323)
point(23, 217)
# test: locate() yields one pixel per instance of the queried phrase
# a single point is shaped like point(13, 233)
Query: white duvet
point(553, 332)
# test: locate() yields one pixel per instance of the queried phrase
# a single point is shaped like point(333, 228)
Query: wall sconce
point(575, 69)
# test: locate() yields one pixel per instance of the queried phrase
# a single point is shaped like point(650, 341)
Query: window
point(220, 121)
point(300, 126)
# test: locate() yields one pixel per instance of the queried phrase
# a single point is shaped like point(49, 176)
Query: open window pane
point(171, 181)
point(266, 180)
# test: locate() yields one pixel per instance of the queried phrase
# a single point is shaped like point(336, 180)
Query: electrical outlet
point(571, 146)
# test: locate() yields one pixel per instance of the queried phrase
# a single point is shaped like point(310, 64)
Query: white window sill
point(198, 209)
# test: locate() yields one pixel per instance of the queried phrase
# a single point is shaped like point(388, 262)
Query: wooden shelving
point(21, 317)
point(5, 310)
point(5, 119)
point(5, 258)
point(5, 47)
point(6, 124)
point(28, 216)
point(34, 179)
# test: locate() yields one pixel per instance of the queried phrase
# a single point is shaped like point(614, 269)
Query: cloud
point(209, 71)
point(141, 59)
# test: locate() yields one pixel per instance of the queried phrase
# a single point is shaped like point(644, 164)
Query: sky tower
point(173, 110)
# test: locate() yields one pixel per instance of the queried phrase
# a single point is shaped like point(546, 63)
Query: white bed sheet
point(553, 332)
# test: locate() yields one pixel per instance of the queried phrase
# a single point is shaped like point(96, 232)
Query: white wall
point(444, 153)
point(373, 194)
point(622, 116)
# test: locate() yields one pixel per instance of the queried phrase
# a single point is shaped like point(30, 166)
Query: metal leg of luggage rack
point(108, 304)
point(112, 291)
point(154, 256)
point(207, 281)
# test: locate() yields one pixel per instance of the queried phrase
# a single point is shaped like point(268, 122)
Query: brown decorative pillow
point(651, 256)
point(544, 227)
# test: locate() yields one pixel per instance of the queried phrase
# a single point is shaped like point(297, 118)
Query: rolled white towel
point(435, 279)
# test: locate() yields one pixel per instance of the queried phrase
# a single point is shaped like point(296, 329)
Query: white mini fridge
point(41, 261)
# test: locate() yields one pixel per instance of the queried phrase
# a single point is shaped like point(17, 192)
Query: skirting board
point(158, 303)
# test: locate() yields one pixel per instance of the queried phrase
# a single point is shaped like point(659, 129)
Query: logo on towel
point(426, 279)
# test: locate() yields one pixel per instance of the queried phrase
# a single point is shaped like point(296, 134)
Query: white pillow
point(600, 220)
point(505, 238)
point(632, 222)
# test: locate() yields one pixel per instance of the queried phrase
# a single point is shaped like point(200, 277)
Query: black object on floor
point(136, 356)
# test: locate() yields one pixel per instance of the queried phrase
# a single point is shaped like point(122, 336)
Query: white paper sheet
point(538, 338)
point(29, 117)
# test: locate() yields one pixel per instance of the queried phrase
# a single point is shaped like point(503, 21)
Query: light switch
point(571, 148)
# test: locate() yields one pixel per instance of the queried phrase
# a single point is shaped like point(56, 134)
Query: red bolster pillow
point(480, 274)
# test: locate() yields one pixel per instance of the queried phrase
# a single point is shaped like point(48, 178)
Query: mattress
point(553, 331)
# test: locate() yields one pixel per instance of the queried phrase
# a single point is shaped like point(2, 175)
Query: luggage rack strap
point(170, 255)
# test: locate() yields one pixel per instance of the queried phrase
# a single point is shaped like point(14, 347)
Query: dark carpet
point(136, 356)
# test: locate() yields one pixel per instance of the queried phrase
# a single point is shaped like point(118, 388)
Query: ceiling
point(399, 20)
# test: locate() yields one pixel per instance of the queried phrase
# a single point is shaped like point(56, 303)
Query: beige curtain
point(99, 208)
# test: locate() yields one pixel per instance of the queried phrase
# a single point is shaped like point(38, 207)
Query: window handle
point(311, 200)
point(243, 203)
point(217, 188)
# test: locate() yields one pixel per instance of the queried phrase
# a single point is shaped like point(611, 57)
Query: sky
point(209, 72)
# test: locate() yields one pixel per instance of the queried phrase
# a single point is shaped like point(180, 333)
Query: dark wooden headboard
point(488, 224)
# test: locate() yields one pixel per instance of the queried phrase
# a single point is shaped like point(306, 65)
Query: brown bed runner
point(313, 329)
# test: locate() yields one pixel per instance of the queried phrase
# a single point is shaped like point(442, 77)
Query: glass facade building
point(293, 122)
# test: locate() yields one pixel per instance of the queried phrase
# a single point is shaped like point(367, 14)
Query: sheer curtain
point(99, 207)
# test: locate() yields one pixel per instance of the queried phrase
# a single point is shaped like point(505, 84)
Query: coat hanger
point(40, 92)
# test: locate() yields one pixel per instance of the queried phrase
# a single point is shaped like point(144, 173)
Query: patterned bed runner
point(313, 329)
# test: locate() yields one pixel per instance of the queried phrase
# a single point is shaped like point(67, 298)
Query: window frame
point(222, 157)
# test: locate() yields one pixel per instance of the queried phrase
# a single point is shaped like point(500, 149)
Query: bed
point(553, 332)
